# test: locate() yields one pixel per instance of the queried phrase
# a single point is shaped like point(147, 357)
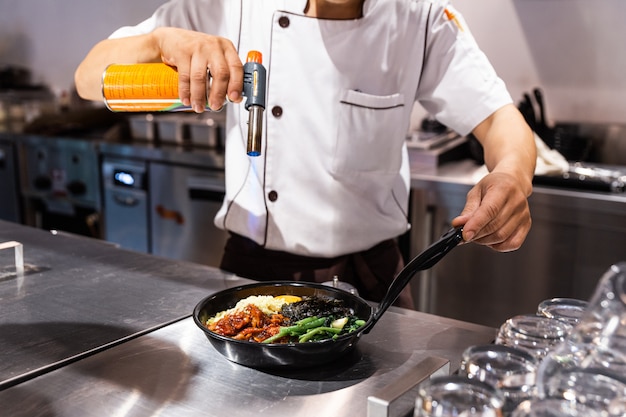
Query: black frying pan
point(259, 355)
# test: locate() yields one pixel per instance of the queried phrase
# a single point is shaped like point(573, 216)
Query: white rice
point(268, 304)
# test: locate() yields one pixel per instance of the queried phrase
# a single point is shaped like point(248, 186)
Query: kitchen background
point(573, 49)
point(155, 198)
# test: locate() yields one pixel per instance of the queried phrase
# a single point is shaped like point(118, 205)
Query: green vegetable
point(317, 331)
point(354, 325)
point(318, 328)
point(298, 329)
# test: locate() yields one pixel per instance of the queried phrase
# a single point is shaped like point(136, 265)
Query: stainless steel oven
point(125, 218)
point(161, 193)
point(183, 204)
point(60, 184)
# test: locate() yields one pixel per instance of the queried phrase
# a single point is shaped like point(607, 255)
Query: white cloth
point(549, 161)
point(336, 158)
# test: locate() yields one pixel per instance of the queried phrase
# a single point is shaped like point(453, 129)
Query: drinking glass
point(536, 334)
point(604, 322)
point(567, 309)
point(553, 407)
point(599, 338)
point(511, 370)
point(597, 388)
point(456, 395)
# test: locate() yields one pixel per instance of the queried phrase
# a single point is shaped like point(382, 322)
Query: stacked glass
point(455, 395)
point(536, 334)
point(589, 367)
point(567, 360)
point(507, 368)
point(569, 310)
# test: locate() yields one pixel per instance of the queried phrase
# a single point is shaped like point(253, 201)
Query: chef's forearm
point(509, 145)
point(129, 50)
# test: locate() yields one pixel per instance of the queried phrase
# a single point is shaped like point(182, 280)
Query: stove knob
point(42, 182)
point(77, 187)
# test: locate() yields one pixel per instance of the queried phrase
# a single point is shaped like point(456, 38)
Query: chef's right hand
point(192, 53)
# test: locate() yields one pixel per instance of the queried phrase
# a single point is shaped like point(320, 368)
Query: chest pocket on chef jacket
point(370, 134)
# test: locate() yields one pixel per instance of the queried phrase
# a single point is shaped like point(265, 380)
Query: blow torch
point(254, 87)
point(151, 87)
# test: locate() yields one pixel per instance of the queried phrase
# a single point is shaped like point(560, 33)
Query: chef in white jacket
point(329, 193)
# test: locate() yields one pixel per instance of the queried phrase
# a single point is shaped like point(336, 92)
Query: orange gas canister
point(149, 87)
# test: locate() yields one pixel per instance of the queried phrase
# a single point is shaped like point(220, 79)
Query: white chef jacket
point(333, 177)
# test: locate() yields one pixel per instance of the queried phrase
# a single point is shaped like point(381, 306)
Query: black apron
point(370, 271)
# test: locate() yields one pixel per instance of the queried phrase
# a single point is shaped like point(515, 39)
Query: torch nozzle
point(254, 87)
point(255, 130)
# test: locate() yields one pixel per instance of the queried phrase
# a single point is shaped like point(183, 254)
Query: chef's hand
point(496, 213)
point(192, 53)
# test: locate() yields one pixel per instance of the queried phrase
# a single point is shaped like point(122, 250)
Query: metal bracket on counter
point(19, 255)
point(398, 398)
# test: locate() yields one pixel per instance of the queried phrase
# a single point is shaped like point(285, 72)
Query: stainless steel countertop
point(79, 295)
point(91, 329)
point(466, 173)
point(175, 371)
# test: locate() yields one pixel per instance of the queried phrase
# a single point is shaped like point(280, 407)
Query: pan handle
point(425, 260)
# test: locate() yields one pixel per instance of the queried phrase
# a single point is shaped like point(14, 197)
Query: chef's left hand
point(496, 213)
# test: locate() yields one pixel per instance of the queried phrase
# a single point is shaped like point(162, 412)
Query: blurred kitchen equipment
point(204, 130)
point(10, 209)
point(207, 131)
point(163, 207)
point(81, 123)
point(14, 77)
point(125, 193)
point(142, 127)
point(20, 100)
point(183, 203)
point(169, 129)
point(527, 109)
point(60, 184)
point(431, 125)
point(541, 124)
point(174, 165)
point(586, 176)
point(346, 286)
point(563, 137)
point(434, 144)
